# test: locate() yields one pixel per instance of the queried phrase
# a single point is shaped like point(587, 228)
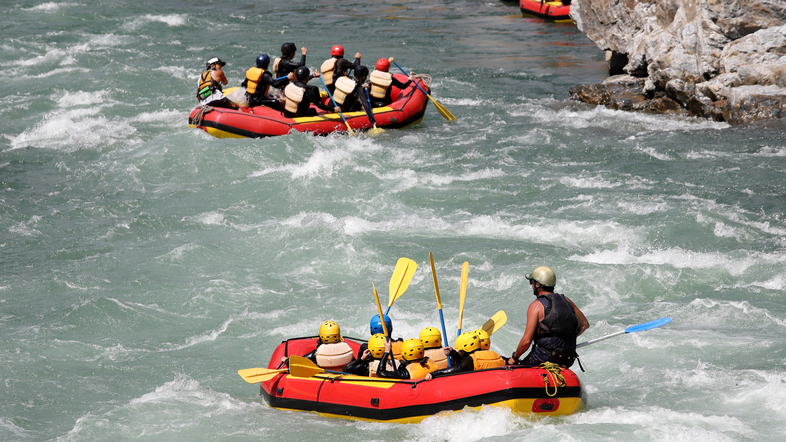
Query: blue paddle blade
point(648, 325)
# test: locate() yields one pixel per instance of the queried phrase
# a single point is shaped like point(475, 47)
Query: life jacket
point(437, 356)
point(254, 77)
point(327, 68)
point(207, 85)
point(345, 86)
point(294, 95)
point(418, 371)
point(334, 356)
point(373, 366)
point(275, 65)
point(487, 359)
point(395, 348)
point(380, 82)
point(559, 318)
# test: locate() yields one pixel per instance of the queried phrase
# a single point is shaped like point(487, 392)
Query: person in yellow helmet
point(471, 356)
point(332, 353)
point(367, 363)
point(432, 342)
point(415, 365)
point(553, 323)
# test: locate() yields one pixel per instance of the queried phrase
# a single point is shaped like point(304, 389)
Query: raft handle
point(375, 402)
point(279, 391)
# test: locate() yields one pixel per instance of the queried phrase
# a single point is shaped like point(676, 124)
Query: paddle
point(442, 110)
point(351, 132)
point(439, 303)
point(402, 275)
point(462, 293)
point(634, 328)
point(382, 319)
point(303, 367)
point(495, 323)
point(254, 375)
point(374, 130)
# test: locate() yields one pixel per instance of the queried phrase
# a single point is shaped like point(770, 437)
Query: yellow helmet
point(376, 345)
point(485, 339)
point(544, 275)
point(431, 337)
point(330, 332)
point(468, 342)
point(412, 349)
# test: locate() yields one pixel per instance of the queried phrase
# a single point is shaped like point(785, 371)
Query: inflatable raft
point(408, 107)
point(523, 390)
point(554, 10)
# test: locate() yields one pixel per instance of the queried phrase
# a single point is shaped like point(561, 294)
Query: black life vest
point(559, 318)
point(207, 85)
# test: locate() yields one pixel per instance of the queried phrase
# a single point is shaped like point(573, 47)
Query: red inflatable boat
point(554, 10)
point(408, 107)
point(523, 390)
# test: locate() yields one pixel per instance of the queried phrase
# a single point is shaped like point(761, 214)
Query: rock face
point(719, 59)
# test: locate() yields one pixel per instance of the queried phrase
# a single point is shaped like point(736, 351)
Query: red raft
point(408, 107)
point(554, 10)
point(523, 390)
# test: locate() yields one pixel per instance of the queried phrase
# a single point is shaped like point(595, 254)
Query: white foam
point(209, 218)
point(171, 20)
point(74, 129)
point(468, 425)
point(321, 163)
point(51, 7)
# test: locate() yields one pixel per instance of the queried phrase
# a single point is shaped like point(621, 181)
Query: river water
point(143, 262)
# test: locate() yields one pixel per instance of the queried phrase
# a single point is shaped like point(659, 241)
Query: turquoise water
point(144, 263)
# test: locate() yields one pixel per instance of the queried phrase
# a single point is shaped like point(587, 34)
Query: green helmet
point(544, 275)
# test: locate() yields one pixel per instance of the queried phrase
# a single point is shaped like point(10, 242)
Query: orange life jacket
point(487, 359)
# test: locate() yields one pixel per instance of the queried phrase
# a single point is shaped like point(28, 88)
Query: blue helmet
point(263, 61)
point(376, 325)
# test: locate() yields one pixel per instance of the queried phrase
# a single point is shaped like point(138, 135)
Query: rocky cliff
point(719, 59)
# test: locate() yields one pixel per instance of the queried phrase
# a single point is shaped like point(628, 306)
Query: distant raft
point(523, 390)
point(407, 108)
point(554, 10)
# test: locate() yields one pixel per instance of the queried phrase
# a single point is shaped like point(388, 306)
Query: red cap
point(383, 64)
point(337, 50)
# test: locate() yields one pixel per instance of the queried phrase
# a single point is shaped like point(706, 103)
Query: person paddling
point(553, 323)
point(367, 362)
point(337, 66)
point(415, 365)
point(300, 96)
point(381, 82)
point(209, 88)
point(285, 65)
point(471, 356)
point(258, 82)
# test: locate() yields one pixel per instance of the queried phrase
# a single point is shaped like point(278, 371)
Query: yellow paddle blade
point(303, 367)
point(351, 132)
point(442, 110)
point(402, 275)
point(379, 309)
point(254, 375)
point(434, 275)
point(376, 131)
point(463, 291)
point(495, 323)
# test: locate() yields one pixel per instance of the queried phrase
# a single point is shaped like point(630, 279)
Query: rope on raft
point(424, 78)
point(200, 115)
point(553, 372)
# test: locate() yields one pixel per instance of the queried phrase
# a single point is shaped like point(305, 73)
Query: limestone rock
point(699, 54)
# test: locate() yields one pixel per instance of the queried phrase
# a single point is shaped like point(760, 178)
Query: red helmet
point(337, 50)
point(383, 64)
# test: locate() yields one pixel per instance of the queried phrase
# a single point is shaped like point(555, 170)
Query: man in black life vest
point(286, 64)
point(553, 323)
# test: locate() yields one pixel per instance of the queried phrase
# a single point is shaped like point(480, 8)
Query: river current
point(143, 262)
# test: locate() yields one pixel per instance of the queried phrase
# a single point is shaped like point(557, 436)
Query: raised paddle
point(399, 281)
point(462, 293)
point(442, 110)
point(351, 132)
point(439, 303)
point(633, 328)
point(254, 375)
point(495, 323)
point(303, 367)
point(382, 320)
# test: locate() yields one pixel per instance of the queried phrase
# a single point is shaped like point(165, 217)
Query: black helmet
point(302, 73)
point(288, 48)
point(361, 72)
point(263, 61)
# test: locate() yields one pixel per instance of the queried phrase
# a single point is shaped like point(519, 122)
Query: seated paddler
point(258, 82)
point(300, 96)
point(209, 87)
point(332, 353)
point(367, 363)
point(381, 81)
point(337, 66)
point(414, 366)
point(375, 327)
point(432, 343)
point(286, 64)
point(351, 95)
point(471, 356)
